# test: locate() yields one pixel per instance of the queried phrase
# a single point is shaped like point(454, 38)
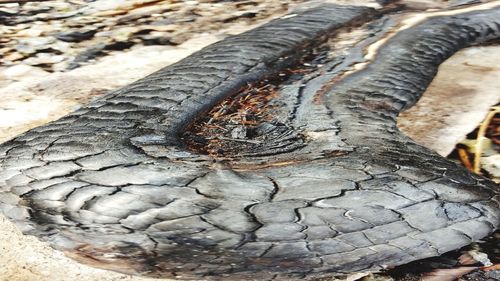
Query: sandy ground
point(457, 100)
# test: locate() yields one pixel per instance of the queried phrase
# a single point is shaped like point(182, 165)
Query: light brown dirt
point(456, 101)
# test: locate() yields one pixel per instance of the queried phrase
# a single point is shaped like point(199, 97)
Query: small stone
point(118, 45)
point(150, 39)
point(76, 35)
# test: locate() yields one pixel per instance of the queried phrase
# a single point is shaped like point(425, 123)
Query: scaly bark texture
point(329, 186)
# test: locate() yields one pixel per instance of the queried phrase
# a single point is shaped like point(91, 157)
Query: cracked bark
point(151, 204)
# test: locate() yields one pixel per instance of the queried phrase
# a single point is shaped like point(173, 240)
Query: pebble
point(75, 35)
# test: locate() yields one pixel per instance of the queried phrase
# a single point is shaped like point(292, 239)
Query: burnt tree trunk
point(270, 154)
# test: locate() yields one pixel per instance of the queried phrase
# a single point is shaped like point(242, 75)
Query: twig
point(478, 149)
point(464, 158)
